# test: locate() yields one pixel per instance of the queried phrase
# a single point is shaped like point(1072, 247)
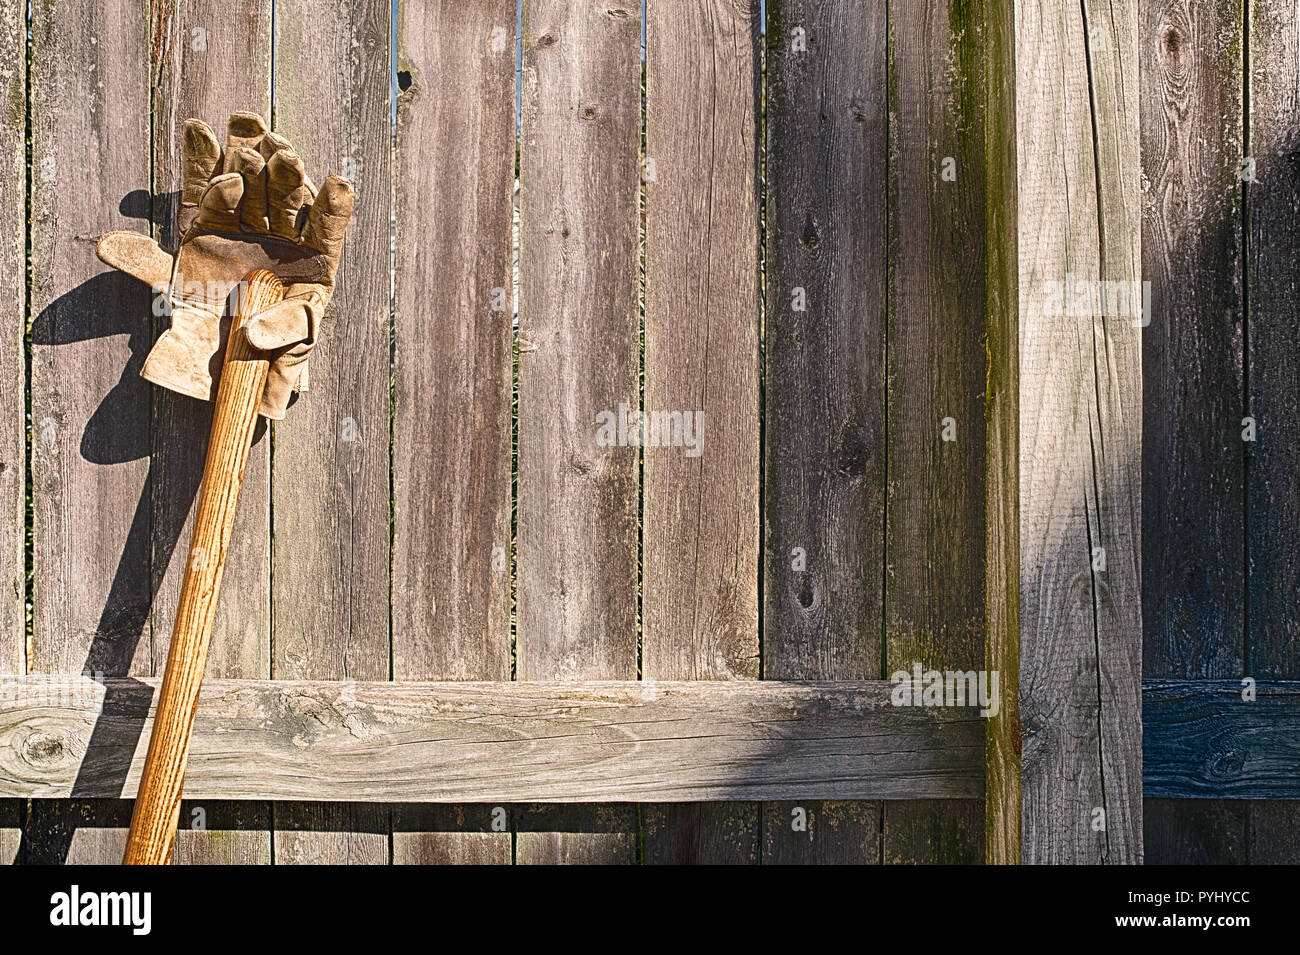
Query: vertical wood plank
point(91, 328)
point(13, 398)
point(451, 447)
point(13, 301)
point(1080, 431)
point(11, 831)
point(579, 191)
point(824, 428)
point(330, 480)
point(821, 832)
point(1195, 831)
point(1002, 437)
point(207, 64)
point(934, 511)
point(1273, 372)
point(1274, 341)
point(1192, 379)
point(1192, 360)
point(1274, 832)
point(700, 514)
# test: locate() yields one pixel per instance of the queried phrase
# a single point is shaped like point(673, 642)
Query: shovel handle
point(239, 394)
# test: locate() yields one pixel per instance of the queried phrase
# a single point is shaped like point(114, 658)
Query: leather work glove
point(249, 206)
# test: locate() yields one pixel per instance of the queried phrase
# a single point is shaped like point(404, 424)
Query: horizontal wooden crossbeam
point(599, 742)
point(496, 742)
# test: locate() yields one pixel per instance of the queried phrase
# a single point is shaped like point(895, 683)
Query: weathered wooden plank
point(934, 509)
point(454, 164)
point(223, 833)
point(13, 302)
point(11, 831)
point(89, 104)
point(207, 64)
point(434, 834)
point(821, 833)
point(1274, 832)
point(503, 742)
point(926, 832)
point(76, 832)
point(1273, 365)
point(1080, 431)
point(577, 495)
point(1273, 372)
point(576, 835)
point(825, 396)
point(1002, 437)
point(1194, 831)
point(1191, 353)
point(1192, 380)
point(700, 510)
point(579, 191)
point(824, 413)
point(700, 834)
point(1201, 739)
point(330, 481)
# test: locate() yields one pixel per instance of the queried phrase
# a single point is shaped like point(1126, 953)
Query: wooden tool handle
point(239, 394)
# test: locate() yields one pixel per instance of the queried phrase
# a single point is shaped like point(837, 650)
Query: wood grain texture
point(926, 832)
point(76, 832)
point(1202, 740)
point(13, 302)
point(579, 185)
point(11, 831)
point(1002, 437)
point(1195, 831)
point(89, 103)
point(1274, 832)
point(1080, 432)
point(1273, 380)
point(824, 405)
point(1191, 60)
point(330, 479)
point(821, 833)
point(226, 833)
point(504, 742)
point(934, 511)
point(1272, 204)
point(208, 61)
point(576, 561)
point(700, 514)
point(454, 167)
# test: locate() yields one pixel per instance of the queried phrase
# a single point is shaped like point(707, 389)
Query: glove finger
point(286, 192)
point(138, 256)
point(271, 144)
point(291, 321)
point(201, 157)
point(243, 129)
point(252, 167)
point(328, 218)
point(219, 208)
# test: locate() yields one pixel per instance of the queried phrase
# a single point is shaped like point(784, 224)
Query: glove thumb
point(138, 256)
point(285, 323)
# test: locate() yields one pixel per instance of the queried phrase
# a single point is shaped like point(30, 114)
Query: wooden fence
point(458, 624)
